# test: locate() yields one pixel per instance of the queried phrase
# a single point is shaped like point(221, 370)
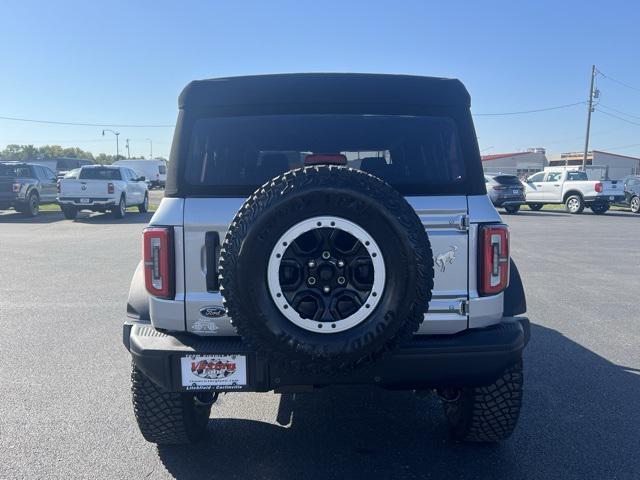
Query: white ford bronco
point(325, 229)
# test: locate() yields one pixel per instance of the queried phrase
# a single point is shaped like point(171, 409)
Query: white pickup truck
point(573, 189)
point(102, 188)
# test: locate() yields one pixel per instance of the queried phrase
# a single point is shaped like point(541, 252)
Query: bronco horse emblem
point(444, 258)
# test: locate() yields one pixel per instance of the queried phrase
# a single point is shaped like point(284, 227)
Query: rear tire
point(511, 209)
point(168, 418)
point(635, 204)
point(121, 209)
point(487, 414)
point(574, 204)
point(599, 208)
point(32, 208)
point(69, 211)
point(144, 206)
point(535, 206)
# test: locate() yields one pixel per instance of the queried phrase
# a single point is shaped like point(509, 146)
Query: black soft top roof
point(314, 88)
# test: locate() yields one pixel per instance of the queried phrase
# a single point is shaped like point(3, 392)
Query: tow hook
point(205, 399)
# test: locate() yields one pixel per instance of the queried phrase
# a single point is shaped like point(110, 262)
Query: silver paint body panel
point(450, 221)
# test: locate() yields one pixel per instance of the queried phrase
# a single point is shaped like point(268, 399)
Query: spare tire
point(326, 268)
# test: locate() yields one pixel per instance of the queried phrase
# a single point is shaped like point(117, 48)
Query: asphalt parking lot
point(65, 411)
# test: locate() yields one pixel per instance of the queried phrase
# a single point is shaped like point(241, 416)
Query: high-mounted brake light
point(598, 187)
point(157, 247)
point(110, 187)
point(494, 259)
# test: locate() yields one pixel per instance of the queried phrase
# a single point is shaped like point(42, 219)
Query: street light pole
point(151, 148)
point(117, 143)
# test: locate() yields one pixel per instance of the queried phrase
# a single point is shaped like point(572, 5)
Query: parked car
point(356, 266)
point(63, 165)
point(155, 171)
point(631, 193)
point(26, 186)
point(101, 188)
point(505, 191)
point(573, 189)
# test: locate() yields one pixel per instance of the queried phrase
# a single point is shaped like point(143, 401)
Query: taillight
point(110, 187)
point(598, 187)
point(500, 187)
point(494, 259)
point(158, 261)
point(16, 187)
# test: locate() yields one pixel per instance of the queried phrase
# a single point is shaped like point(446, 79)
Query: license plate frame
point(214, 371)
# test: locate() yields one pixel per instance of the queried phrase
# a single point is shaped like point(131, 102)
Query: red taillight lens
point(494, 259)
point(157, 247)
point(598, 187)
point(110, 187)
point(16, 187)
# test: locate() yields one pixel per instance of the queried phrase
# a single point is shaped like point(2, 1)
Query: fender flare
point(515, 302)
point(138, 301)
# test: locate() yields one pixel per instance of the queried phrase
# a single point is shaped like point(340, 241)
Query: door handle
point(556, 184)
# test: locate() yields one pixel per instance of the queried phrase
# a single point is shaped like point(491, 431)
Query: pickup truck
point(101, 188)
point(25, 186)
point(573, 189)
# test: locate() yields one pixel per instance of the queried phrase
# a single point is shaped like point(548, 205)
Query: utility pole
point(151, 148)
point(591, 97)
point(128, 152)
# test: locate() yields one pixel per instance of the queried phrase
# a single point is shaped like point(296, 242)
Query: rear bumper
point(509, 202)
point(470, 358)
point(604, 199)
point(103, 202)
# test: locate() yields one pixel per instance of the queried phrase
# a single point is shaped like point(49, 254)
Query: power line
point(619, 82)
point(619, 111)
point(619, 118)
point(82, 124)
point(557, 107)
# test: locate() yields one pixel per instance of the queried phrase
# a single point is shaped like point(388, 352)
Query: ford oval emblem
point(213, 312)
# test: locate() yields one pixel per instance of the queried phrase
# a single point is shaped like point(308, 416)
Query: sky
point(125, 62)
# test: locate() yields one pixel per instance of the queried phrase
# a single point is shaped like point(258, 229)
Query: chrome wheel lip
point(273, 274)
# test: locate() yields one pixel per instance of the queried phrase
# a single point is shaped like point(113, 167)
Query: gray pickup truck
point(26, 186)
point(325, 229)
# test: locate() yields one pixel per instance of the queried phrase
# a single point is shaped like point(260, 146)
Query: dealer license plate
point(213, 371)
point(84, 200)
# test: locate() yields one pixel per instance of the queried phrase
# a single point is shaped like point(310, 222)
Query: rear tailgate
point(612, 188)
point(6, 189)
point(73, 188)
point(445, 219)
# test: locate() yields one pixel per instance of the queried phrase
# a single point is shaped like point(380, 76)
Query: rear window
point(577, 176)
point(100, 174)
point(162, 169)
point(235, 155)
point(20, 171)
point(507, 180)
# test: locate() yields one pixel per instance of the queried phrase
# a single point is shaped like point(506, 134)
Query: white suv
point(322, 229)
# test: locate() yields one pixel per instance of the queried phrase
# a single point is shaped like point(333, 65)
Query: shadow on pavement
point(42, 217)
point(580, 420)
